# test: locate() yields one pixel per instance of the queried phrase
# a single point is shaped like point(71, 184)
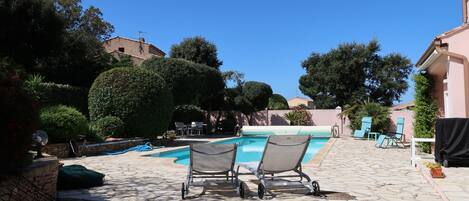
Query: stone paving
point(351, 170)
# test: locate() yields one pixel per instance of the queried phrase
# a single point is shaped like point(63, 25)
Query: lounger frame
point(272, 179)
point(206, 178)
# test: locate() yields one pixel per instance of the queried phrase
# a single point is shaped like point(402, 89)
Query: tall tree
point(30, 31)
point(353, 73)
point(198, 50)
point(81, 57)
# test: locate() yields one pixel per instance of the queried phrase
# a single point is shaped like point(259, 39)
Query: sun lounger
point(393, 138)
point(282, 154)
point(209, 162)
point(365, 128)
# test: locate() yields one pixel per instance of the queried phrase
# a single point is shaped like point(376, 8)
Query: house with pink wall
point(446, 61)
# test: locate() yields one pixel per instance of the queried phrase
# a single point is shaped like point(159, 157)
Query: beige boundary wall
point(322, 117)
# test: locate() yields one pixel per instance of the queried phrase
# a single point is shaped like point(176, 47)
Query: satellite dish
point(40, 137)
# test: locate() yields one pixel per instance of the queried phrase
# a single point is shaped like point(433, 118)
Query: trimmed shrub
point(277, 102)
point(425, 110)
point(140, 98)
point(63, 123)
point(109, 126)
point(190, 83)
point(188, 113)
point(18, 120)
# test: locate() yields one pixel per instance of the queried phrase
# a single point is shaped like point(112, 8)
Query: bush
point(51, 94)
point(137, 96)
point(188, 113)
point(60, 94)
point(63, 123)
point(277, 102)
point(425, 110)
point(298, 117)
point(109, 126)
point(190, 83)
point(229, 123)
point(379, 113)
point(18, 120)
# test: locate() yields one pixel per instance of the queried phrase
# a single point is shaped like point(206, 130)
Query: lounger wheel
point(316, 188)
point(242, 190)
point(183, 191)
point(261, 191)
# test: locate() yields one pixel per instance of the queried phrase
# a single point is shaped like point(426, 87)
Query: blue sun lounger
point(395, 138)
point(365, 129)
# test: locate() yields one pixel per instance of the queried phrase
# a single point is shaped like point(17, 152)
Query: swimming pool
point(249, 149)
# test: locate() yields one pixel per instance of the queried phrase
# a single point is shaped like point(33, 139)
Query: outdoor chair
point(209, 162)
point(282, 156)
point(365, 128)
point(393, 138)
point(197, 127)
point(181, 129)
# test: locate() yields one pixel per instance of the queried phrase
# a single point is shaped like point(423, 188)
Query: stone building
point(138, 50)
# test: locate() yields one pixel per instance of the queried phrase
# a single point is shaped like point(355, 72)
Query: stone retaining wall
point(63, 150)
point(35, 182)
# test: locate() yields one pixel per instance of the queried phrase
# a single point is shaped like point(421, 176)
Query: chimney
point(465, 5)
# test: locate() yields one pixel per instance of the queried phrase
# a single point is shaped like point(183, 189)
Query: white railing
point(413, 156)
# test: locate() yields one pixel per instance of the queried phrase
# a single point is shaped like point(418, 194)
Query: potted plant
point(435, 170)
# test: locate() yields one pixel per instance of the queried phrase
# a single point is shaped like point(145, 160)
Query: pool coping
point(314, 162)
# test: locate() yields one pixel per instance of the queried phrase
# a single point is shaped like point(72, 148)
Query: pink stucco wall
point(321, 118)
point(456, 74)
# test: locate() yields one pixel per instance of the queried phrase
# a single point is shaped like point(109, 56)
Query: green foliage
point(277, 102)
point(63, 123)
point(108, 126)
point(59, 94)
point(30, 31)
point(299, 117)
point(190, 83)
point(352, 73)
point(123, 61)
point(379, 113)
point(140, 98)
point(81, 56)
point(198, 50)
point(229, 123)
point(425, 110)
point(254, 97)
point(32, 85)
point(188, 113)
point(18, 119)
point(56, 38)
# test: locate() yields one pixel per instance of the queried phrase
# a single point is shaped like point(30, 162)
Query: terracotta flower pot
point(437, 172)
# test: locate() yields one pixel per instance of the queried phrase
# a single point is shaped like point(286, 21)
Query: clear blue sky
point(268, 39)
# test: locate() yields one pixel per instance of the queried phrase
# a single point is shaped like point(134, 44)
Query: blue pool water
point(249, 149)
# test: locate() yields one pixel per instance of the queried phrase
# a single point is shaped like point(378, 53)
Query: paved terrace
point(350, 170)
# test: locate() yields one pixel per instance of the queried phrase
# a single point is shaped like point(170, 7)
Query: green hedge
point(277, 102)
point(425, 110)
point(109, 126)
point(63, 123)
point(140, 98)
point(51, 94)
point(190, 83)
